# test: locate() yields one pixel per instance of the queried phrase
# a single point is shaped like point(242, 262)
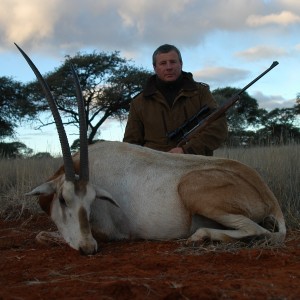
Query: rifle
point(184, 133)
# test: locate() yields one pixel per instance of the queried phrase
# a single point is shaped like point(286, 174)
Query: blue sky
point(223, 43)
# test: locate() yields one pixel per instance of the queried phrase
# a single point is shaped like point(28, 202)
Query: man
point(170, 98)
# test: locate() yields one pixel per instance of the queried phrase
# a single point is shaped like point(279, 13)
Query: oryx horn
point(67, 158)
point(84, 159)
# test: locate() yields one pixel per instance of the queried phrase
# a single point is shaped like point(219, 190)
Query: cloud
point(297, 47)
point(261, 52)
point(219, 76)
point(272, 101)
point(128, 25)
point(284, 18)
point(22, 21)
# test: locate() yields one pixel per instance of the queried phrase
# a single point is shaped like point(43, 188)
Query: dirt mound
point(142, 269)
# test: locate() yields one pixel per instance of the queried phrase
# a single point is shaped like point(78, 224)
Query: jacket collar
point(188, 83)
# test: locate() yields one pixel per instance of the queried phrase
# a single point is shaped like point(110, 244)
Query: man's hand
point(177, 150)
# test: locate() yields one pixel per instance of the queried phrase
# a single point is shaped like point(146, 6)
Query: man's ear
point(104, 195)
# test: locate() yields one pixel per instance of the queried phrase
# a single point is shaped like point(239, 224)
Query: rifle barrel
point(221, 110)
point(274, 64)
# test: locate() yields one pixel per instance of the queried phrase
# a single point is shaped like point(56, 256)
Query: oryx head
point(71, 193)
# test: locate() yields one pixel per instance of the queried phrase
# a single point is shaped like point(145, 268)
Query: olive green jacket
point(151, 118)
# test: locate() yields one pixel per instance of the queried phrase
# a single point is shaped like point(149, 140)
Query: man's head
point(167, 62)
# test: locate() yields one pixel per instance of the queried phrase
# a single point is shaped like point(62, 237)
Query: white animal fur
point(164, 196)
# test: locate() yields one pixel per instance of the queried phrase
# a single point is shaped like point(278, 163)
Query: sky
point(223, 43)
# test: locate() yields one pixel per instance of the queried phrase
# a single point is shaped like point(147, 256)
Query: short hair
point(165, 49)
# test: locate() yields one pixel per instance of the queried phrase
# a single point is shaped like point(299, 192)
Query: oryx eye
point(62, 201)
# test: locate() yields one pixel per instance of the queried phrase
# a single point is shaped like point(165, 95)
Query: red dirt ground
point(142, 269)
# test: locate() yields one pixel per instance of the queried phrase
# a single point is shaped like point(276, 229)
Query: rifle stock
point(216, 114)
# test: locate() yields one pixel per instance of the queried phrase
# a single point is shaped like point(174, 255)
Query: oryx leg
point(241, 228)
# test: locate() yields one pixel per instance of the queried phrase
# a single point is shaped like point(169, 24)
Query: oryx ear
point(46, 188)
point(104, 195)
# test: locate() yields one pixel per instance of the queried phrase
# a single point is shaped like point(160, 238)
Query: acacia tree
point(14, 150)
point(245, 111)
point(276, 126)
point(108, 82)
point(279, 126)
point(243, 115)
point(14, 106)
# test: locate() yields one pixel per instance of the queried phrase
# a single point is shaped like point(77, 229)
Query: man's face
point(168, 66)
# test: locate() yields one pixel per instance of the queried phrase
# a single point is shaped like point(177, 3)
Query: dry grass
point(18, 177)
point(215, 247)
point(279, 166)
point(234, 247)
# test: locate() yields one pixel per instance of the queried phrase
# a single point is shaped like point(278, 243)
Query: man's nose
point(169, 65)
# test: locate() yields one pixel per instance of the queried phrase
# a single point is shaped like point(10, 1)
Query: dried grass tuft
point(18, 177)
